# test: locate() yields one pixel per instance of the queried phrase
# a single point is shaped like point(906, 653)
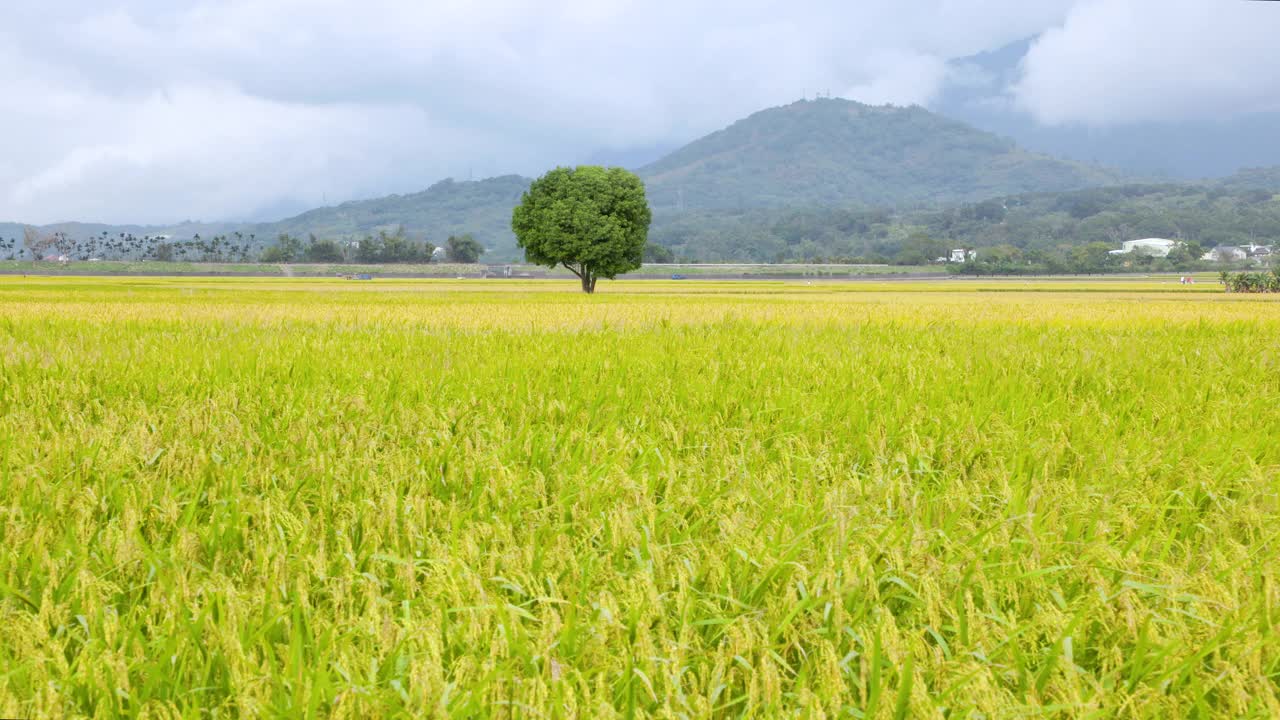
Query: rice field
point(306, 498)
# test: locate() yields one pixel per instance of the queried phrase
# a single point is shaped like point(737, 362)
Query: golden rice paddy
point(308, 498)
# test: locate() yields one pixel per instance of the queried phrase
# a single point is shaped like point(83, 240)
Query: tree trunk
point(588, 282)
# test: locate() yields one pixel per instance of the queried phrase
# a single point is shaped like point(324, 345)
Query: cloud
point(901, 79)
point(1127, 61)
point(161, 110)
point(212, 151)
point(223, 153)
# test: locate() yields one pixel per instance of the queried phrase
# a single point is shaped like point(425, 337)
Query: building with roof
point(1155, 247)
point(1226, 253)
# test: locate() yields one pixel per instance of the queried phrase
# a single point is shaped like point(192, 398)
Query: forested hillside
point(1255, 178)
point(1208, 215)
point(838, 152)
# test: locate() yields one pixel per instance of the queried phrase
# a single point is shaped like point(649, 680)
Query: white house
point(961, 255)
point(1155, 247)
point(1226, 253)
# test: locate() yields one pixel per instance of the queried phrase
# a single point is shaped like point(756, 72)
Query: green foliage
point(1187, 254)
point(1046, 227)
point(591, 220)
point(1251, 282)
point(657, 254)
point(393, 247)
point(324, 251)
point(286, 249)
point(163, 252)
point(919, 248)
point(463, 249)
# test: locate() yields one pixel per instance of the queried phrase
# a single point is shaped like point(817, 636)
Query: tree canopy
point(463, 249)
point(594, 221)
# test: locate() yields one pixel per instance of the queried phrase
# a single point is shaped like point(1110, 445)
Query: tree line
point(1093, 258)
point(1251, 282)
point(36, 245)
point(380, 248)
point(1045, 229)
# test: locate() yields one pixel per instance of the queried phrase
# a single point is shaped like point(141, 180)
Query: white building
point(961, 255)
point(1226, 253)
point(1155, 247)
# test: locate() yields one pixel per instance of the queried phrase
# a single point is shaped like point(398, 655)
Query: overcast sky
point(163, 110)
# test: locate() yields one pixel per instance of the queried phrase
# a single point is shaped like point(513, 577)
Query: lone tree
point(592, 220)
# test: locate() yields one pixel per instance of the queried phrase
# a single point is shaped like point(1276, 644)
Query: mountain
point(808, 154)
point(839, 152)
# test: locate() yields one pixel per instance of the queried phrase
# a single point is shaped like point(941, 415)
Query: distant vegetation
point(1252, 282)
point(1052, 232)
point(381, 248)
point(1257, 178)
point(36, 245)
point(1034, 233)
point(479, 209)
point(463, 249)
